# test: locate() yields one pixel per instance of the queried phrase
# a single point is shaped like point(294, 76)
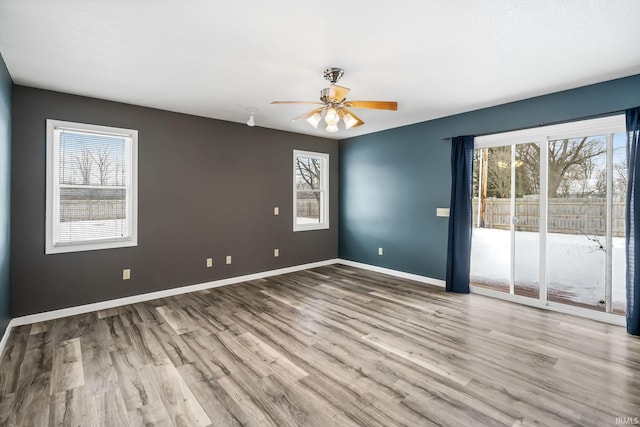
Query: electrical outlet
point(276, 211)
point(228, 259)
point(126, 274)
point(379, 251)
point(276, 253)
point(209, 262)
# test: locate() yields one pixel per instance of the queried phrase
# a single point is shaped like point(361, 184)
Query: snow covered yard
point(576, 264)
point(96, 229)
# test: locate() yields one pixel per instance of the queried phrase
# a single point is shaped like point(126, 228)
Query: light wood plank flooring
point(332, 346)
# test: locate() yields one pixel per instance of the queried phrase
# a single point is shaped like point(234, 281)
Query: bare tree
point(102, 159)
point(309, 170)
point(582, 175)
point(620, 178)
point(601, 182)
point(566, 157)
point(84, 163)
point(498, 167)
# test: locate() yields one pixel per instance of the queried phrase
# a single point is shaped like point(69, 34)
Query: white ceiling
point(216, 58)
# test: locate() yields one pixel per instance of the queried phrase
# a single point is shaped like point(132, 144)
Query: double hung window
point(91, 187)
point(310, 190)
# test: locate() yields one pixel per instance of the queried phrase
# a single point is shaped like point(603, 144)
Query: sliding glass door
point(549, 214)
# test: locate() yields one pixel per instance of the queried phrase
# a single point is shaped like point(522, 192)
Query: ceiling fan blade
point(377, 105)
point(298, 102)
point(350, 120)
point(307, 115)
point(338, 93)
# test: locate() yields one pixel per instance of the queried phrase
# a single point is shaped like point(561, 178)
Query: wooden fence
point(95, 210)
point(567, 216)
point(91, 210)
point(307, 208)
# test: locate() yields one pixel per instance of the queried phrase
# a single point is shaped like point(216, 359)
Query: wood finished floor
point(332, 346)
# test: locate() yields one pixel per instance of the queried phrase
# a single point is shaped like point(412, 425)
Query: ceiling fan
point(333, 105)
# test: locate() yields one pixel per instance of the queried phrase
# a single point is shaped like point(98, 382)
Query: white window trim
point(324, 184)
point(52, 189)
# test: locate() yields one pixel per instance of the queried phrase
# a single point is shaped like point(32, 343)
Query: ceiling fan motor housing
point(333, 74)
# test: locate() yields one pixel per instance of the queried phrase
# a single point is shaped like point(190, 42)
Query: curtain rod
point(560, 122)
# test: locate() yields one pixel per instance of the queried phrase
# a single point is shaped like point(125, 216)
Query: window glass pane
point(526, 220)
point(308, 173)
point(92, 159)
point(92, 213)
point(576, 224)
point(491, 243)
point(308, 207)
point(92, 187)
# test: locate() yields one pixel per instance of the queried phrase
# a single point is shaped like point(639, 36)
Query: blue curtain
point(633, 220)
point(459, 247)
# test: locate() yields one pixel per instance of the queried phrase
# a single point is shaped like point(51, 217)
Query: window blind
point(93, 185)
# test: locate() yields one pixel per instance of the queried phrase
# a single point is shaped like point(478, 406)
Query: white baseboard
point(5, 337)
point(396, 273)
point(103, 305)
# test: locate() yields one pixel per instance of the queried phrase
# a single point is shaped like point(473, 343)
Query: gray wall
point(207, 188)
point(5, 195)
point(392, 182)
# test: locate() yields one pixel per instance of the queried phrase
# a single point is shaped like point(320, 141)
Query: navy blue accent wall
point(6, 86)
point(391, 182)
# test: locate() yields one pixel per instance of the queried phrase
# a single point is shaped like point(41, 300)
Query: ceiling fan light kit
point(331, 117)
point(349, 120)
point(332, 128)
point(333, 101)
point(314, 120)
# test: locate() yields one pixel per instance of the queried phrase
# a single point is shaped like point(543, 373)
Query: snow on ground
point(96, 229)
point(576, 265)
point(307, 220)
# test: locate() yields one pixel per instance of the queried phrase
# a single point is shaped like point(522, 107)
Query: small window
point(91, 187)
point(310, 191)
